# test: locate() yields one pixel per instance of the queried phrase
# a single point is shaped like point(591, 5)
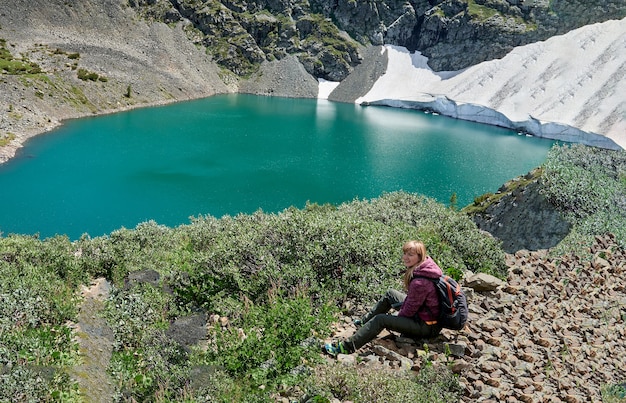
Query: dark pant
point(378, 319)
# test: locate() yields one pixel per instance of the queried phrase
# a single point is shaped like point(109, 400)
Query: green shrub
point(144, 358)
point(268, 342)
point(614, 393)
point(5, 140)
point(431, 385)
point(587, 185)
point(277, 277)
point(86, 75)
point(37, 300)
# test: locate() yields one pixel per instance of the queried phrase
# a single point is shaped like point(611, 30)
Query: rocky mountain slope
point(453, 34)
point(92, 57)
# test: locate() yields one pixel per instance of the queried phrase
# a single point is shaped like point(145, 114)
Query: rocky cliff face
point(521, 216)
point(453, 34)
point(240, 35)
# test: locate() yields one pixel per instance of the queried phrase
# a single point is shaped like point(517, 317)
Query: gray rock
point(189, 330)
point(483, 282)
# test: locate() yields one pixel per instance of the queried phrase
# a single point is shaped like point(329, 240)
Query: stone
point(483, 282)
point(189, 330)
point(459, 366)
point(346, 359)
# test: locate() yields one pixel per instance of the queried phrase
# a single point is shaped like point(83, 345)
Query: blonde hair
point(419, 249)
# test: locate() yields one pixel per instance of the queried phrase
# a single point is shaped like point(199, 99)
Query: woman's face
point(410, 258)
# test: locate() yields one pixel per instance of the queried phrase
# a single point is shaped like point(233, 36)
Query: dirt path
point(95, 339)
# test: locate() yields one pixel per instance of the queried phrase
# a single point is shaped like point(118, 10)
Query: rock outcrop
point(455, 34)
point(521, 216)
point(242, 35)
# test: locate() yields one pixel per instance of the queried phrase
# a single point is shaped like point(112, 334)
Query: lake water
point(233, 154)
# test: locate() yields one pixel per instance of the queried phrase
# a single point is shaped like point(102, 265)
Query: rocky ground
point(95, 340)
point(553, 332)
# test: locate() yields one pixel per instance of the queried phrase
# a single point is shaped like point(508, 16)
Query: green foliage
point(587, 185)
point(277, 277)
point(350, 251)
point(135, 312)
point(37, 299)
point(432, 384)
point(268, 342)
point(144, 359)
point(86, 75)
point(614, 393)
point(480, 11)
point(11, 65)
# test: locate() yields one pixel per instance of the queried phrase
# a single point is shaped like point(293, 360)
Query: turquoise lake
point(232, 154)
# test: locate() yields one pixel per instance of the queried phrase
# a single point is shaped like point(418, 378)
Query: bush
point(431, 385)
point(267, 343)
point(37, 301)
point(587, 184)
point(86, 75)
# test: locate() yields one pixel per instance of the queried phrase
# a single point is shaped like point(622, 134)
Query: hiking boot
point(335, 348)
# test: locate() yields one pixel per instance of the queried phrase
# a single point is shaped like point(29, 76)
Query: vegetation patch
point(587, 185)
point(481, 12)
point(77, 97)
point(87, 75)
point(275, 281)
point(6, 139)
point(483, 202)
point(11, 65)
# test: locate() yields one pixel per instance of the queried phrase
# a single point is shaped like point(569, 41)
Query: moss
point(480, 12)
point(5, 140)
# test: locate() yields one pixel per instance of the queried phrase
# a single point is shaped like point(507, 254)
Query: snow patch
point(325, 88)
point(570, 87)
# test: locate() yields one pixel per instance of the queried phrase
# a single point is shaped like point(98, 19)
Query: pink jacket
point(422, 296)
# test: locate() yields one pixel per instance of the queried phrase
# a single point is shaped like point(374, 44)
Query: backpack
point(453, 312)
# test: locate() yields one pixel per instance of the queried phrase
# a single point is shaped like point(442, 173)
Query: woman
point(419, 307)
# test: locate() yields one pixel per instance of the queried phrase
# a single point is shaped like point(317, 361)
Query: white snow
point(570, 87)
point(325, 88)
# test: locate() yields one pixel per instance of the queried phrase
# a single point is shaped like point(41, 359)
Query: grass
point(11, 65)
point(6, 139)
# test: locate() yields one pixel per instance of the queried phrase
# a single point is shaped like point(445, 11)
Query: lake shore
point(536, 89)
